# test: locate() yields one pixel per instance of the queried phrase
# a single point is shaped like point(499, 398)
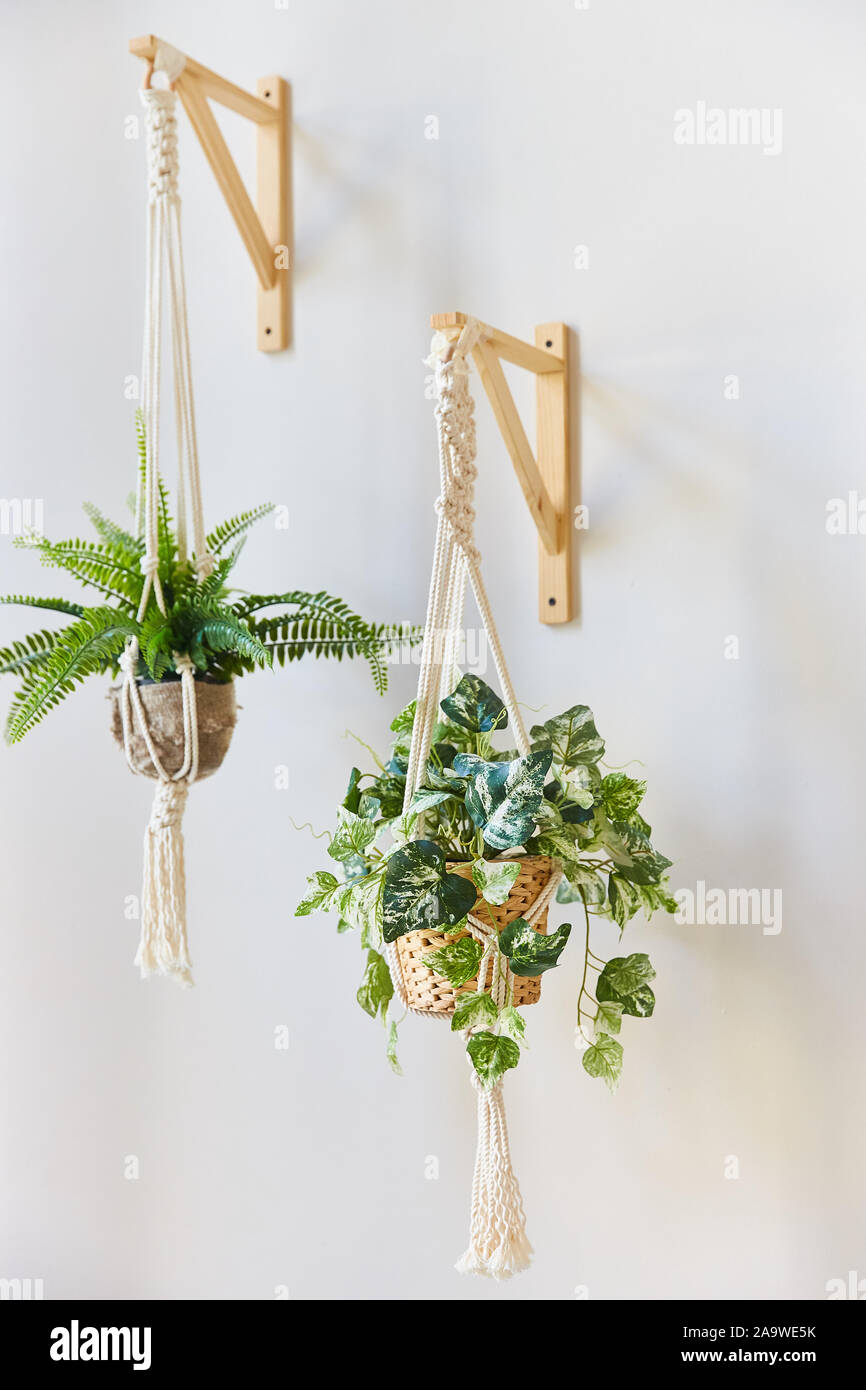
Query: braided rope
point(163, 947)
point(456, 562)
point(498, 1245)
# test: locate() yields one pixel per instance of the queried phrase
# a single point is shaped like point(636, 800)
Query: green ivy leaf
point(495, 879)
point(401, 828)
point(420, 892)
point(631, 851)
point(321, 893)
point(503, 798)
point(425, 799)
point(473, 1011)
point(529, 953)
point(352, 836)
point(576, 794)
point(473, 705)
point(360, 904)
point(403, 722)
point(624, 980)
point(604, 1059)
point(560, 842)
point(621, 795)
point(572, 737)
point(443, 779)
point(375, 991)
point(654, 898)
point(580, 787)
point(581, 884)
point(458, 961)
point(609, 1017)
point(391, 1049)
point(352, 799)
point(624, 899)
point(514, 1024)
point(492, 1055)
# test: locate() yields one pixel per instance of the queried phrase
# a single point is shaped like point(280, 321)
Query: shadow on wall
point(352, 187)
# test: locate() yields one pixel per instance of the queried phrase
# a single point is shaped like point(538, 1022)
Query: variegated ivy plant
point(489, 807)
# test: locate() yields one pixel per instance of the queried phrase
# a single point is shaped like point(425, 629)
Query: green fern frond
point(104, 567)
point(392, 638)
point(140, 439)
point(325, 626)
point(56, 605)
point(167, 541)
point(113, 534)
point(228, 531)
point(216, 581)
point(219, 627)
point(228, 635)
point(321, 603)
point(136, 499)
point(30, 652)
point(156, 643)
point(291, 636)
point(82, 649)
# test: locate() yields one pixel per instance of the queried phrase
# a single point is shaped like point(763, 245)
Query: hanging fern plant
point(226, 632)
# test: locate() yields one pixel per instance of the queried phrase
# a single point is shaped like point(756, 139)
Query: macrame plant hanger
point(163, 948)
point(266, 233)
point(498, 1244)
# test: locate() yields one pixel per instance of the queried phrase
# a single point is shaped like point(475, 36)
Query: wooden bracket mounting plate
point(544, 476)
point(266, 228)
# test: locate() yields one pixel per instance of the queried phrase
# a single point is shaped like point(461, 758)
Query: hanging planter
point(216, 710)
point(168, 622)
point(427, 991)
point(454, 849)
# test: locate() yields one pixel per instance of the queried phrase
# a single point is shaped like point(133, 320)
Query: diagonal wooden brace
point(544, 476)
point(265, 229)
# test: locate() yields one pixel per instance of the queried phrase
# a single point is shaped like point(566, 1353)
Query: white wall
point(306, 1168)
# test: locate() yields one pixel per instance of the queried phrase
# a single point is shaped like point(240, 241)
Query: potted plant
point(497, 829)
point(226, 632)
point(180, 634)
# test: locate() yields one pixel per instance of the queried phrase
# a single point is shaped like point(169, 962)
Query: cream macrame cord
point(164, 948)
point(498, 1244)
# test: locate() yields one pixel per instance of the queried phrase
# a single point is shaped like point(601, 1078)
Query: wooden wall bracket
point(266, 228)
point(544, 476)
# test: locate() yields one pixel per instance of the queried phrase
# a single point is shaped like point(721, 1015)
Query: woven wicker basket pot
point(216, 706)
point(430, 993)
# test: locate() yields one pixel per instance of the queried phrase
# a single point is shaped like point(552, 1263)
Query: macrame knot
point(149, 566)
point(205, 565)
point(498, 1245)
point(183, 663)
point(128, 659)
point(162, 160)
point(459, 512)
point(163, 949)
point(169, 802)
point(456, 502)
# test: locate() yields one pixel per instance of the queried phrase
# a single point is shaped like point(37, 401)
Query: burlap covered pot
point(216, 707)
point(428, 992)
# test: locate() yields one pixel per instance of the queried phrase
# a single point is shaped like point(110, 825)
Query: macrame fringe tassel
point(498, 1244)
point(163, 949)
